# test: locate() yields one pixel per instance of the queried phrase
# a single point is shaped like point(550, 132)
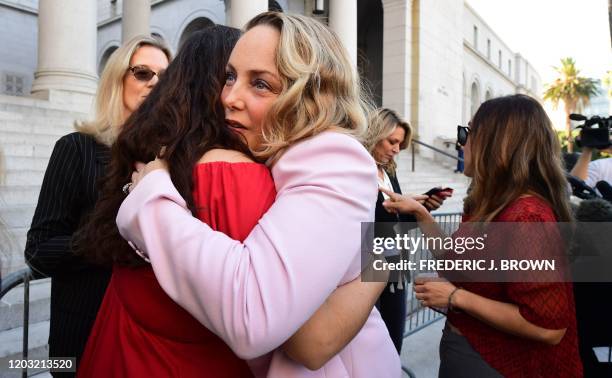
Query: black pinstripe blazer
point(68, 193)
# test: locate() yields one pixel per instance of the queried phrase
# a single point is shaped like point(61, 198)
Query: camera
point(595, 131)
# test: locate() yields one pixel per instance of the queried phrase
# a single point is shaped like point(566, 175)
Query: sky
point(544, 31)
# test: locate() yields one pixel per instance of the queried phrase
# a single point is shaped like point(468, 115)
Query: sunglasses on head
point(143, 73)
point(462, 134)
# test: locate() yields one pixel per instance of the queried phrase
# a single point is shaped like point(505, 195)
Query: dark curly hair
point(183, 113)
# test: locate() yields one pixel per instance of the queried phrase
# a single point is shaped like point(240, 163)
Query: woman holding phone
point(509, 329)
point(387, 135)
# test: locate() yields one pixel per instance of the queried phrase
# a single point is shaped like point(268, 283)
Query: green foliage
point(569, 87)
point(562, 135)
point(607, 82)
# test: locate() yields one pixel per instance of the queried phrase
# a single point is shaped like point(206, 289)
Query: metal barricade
point(419, 317)
point(11, 281)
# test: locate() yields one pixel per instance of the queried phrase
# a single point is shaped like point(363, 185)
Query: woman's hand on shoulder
point(143, 169)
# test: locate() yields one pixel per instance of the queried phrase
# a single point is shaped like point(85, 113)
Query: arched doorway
point(195, 25)
point(158, 37)
point(474, 99)
point(273, 5)
point(369, 45)
point(105, 56)
point(488, 95)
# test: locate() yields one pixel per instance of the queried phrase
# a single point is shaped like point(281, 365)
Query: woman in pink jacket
point(293, 95)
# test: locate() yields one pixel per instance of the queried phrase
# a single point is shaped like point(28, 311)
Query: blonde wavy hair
point(382, 122)
point(109, 108)
point(320, 87)
point(514, 151)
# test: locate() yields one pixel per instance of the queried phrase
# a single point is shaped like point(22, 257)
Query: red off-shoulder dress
point(139, 330)
point(546, 304)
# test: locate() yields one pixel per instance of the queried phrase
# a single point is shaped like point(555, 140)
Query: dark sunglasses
point(143, 73)
point(462, 134)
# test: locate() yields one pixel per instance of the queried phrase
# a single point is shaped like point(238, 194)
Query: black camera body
point(591, 136)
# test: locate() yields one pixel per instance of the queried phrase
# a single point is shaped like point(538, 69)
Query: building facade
point(440, 58)
point(433, 62)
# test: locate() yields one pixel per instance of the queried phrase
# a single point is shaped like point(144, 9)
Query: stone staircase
point(429, 173)
point(29, 129)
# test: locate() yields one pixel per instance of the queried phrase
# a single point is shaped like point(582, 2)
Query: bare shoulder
point(230, 156)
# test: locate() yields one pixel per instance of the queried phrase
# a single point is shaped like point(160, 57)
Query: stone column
point(66, 48)
point(135, 19)
point(343, 21)
point(241, 11)
point(397, 57)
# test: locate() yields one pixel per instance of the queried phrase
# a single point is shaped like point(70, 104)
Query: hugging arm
point(334, 324)
point(258, 293)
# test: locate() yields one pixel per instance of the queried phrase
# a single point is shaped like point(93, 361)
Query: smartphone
point(444, 192)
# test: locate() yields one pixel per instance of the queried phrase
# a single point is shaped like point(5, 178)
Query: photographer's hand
point(581, 169)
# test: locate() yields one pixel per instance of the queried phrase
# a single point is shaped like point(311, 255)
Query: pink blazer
point(256, 294)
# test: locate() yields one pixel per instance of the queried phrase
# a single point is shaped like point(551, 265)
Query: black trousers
point(459, 360)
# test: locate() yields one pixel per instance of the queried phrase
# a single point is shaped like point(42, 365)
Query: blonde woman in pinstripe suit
point(69, 192)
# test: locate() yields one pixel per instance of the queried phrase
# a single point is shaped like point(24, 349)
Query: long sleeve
point(256, 294)
point(58, 213)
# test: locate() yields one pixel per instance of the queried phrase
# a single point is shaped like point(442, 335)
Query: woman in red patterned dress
point(511, 329)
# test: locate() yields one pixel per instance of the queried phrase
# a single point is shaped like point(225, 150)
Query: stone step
point(11, 305)
point(34, 115)
point(11, 344)
point(19, 194)
point(38, 164)
point(13, 263)
point(51, 126)
point(17, 216)
point(18, 238)
point(14, 177)
point(430, 182)
point(425, 185)
point(23, 150)
point(20, 234)
point(430, 173)
point(10, 110)
point(42, 374)
point(10, 116)
point(20, 138)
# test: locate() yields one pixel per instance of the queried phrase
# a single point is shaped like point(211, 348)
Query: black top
point(68, 193)
point(384, 226)
point(383, 215)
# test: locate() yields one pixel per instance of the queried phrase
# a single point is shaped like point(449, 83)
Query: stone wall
point(440, 62)
point(19, 48)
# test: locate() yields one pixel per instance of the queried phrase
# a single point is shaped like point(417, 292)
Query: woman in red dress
point(510, 329)
point(140, 331)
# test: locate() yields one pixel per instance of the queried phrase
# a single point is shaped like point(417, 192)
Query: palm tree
point(607, 82)
point(572, 90)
